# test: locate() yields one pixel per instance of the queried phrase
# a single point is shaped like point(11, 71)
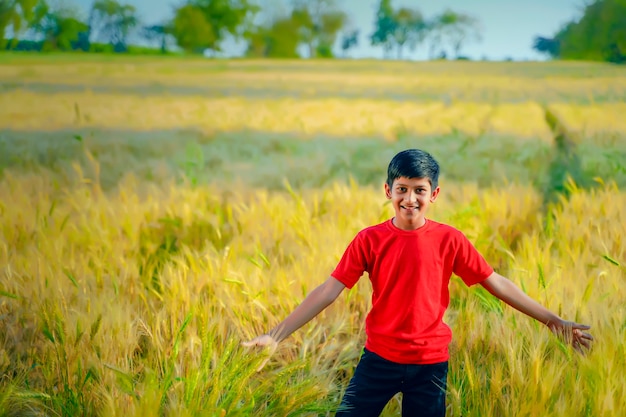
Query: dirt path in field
point(566, 163)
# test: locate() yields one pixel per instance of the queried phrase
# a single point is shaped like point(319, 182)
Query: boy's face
point(411, 198)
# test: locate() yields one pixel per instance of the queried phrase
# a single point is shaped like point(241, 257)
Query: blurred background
point(455, 29)
point(229, 89)
point(202, 164)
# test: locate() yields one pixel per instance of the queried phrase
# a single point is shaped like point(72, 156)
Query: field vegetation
point(155, 213)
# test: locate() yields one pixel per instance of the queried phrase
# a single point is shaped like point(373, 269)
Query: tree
point(456, 29)
point(398, 28)
point(59, 25)
point(384, 26)
point(278, 38)
point(599, 34)
point(548, 46)
point(349, 40)
point(409, 27)
point(614, 14)
point(330, 24)
point(192, 31)
point(221, 18)
point(281, 39)
point(113, 22)
point(319, 22)
point(158, 33)
point(13, 14)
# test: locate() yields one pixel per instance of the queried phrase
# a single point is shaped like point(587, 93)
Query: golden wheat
point(245, 259)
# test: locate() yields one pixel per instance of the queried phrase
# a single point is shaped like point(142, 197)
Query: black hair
point(413, 163)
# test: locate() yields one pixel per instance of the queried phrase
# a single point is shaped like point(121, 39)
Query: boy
point(410, 260)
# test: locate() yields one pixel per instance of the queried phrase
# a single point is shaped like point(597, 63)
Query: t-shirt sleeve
point(353, 263)
point(469, 264)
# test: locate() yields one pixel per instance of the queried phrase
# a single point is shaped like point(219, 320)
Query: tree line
point(598, 35)
point(296, 28)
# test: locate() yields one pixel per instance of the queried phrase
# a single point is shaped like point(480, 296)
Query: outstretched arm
point(317, 300)
point(511, 294)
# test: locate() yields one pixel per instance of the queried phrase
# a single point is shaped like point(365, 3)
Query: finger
point(250, 343)
point(579, 326)
point(583, 339)
point(585, 343)
point(580, 334)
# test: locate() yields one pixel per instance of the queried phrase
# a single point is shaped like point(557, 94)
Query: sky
point(508, 26)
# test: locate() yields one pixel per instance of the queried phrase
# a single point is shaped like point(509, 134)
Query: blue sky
point(508, 25)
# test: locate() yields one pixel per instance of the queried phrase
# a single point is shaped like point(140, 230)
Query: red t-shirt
point(410, 272)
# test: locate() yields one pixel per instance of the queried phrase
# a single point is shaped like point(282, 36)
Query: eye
point(402, 189)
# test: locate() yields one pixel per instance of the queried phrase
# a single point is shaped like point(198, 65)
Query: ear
point(434, 195)
point(387, 191)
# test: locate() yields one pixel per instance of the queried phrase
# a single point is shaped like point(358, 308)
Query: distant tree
point(331, 24)
point(220, 17)
point(409, 29)
point(13, 15)
point(384, 26)
point(282, 39)
point(278, 37)
point(548, 46)
point(349, 40)
point(159, 33)
point(113, 22)
point(434, 36)
point(192, 31)
point(59, 25)
point(256, 42)
point(598, 35)
point(306, 30)
point(456, 29)
point(319, 22)
point(398, 28)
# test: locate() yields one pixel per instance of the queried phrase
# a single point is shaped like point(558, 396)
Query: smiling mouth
point(410, 207)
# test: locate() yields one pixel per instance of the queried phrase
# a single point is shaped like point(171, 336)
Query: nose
point(410, 198)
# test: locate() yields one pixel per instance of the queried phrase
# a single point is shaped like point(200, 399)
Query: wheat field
point(155, 213)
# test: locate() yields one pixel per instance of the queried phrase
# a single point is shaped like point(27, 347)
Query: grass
point(170, 345)
point(140, 246)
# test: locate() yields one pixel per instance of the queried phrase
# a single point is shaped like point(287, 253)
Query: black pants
point(377, 380)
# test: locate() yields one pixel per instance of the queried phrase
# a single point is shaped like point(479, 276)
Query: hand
point(264, 340)
point(572, 333)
